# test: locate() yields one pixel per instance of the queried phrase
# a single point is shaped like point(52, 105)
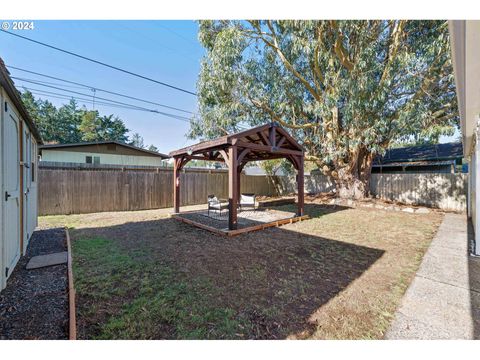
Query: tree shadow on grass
point(183, 282)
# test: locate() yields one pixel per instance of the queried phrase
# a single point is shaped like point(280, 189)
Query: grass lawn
point(340, 275)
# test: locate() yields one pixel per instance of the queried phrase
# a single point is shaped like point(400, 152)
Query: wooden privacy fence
point(439, 190)
point(78, 190)
point(443, 191)
point(71, 189)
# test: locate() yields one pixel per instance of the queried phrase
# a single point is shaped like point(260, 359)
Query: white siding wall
point(475, 196)
point(2, 266)
point(32, 211)
point(111, 159)
point(472, 172)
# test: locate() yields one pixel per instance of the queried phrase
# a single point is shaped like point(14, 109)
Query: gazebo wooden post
point(239, 178)
point(232, 187)
point(177, 162)
point(300, 185)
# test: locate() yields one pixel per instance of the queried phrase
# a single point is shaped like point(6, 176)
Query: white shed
point(19, 139)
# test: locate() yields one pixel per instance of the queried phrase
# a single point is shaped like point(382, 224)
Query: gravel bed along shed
point(34, 305)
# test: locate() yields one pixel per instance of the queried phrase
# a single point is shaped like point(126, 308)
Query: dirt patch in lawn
point(34, 305)
point(339, 275)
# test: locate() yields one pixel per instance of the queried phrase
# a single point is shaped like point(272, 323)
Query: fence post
point(80, 189)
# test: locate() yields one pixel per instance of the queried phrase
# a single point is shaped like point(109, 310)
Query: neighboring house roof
point(422, 155)
point(99, 146)
point(7, 83)
point(417, 163)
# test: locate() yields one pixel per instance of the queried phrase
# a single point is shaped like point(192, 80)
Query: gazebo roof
point(265, 142)
point(269, 141)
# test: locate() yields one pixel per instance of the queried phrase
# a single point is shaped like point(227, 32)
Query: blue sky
point(167, 51)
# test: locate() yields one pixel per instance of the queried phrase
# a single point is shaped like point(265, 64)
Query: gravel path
point(34, 305)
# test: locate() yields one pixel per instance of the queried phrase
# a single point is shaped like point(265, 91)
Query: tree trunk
point(353, 180)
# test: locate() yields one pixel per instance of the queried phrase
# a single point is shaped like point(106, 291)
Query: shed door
point(11, 196)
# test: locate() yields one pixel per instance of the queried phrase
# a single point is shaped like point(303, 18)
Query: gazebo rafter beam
point(268, 149)
point(281, 141)
point(264, 138)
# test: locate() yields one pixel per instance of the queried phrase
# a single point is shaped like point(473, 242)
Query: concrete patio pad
point(443, 300)
point(47, 260)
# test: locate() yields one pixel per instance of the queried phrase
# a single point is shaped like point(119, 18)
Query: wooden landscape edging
point(276, 223)
point(72, 322)
point(199, 225)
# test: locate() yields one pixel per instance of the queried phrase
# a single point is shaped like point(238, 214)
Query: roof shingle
point(448, 151)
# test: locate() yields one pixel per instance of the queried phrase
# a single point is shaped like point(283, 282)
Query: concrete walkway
point(443, 300)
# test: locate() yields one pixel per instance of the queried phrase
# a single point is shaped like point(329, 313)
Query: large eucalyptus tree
point(345, 89)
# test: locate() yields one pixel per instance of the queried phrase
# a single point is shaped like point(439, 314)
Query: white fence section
point(443, 191)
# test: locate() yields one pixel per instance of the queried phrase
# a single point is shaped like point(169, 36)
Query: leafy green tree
point(272, 167)
point(31, 104)
point(345, 89)
point(113, 128)
point(137, 140)
point(153, 148)
point(102, 128)
point(71, 124)
point(71, 117)
point(90, 126)
point(48, 122)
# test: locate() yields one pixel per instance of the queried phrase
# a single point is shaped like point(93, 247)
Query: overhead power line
point(94, 88)
point(68, 97)
point(178, 34)
point(100, 63)
point(87, 101)
point(53, 83)
point(135, 107)
point(162, 45)
point(76, 92)
point(56, 95)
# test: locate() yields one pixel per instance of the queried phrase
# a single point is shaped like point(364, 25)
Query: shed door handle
point(7, 195)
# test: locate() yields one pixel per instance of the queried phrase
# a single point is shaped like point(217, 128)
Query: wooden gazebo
point(264, 142)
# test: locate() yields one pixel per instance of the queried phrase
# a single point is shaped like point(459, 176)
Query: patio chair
point(216, 204)
point(247, 200)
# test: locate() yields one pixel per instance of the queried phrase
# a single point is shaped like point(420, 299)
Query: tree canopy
point(153, 148)
point(345, 89)
point(72, 124)
point(137, 140)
